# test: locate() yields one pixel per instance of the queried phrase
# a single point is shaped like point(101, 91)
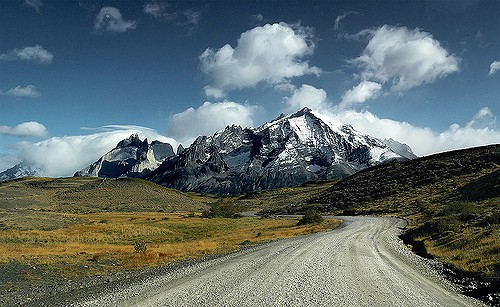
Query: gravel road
point(361, 264)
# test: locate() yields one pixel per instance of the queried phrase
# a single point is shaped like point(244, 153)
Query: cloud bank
point(209, 118)
point(273, 53)
point(19, 91)
point(480, 130)
point(25, 130)
point(110, 19)
point(34, 54)
point(62, 156)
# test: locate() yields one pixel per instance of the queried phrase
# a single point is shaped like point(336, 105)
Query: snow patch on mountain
point(21, 170)
point(287, 151)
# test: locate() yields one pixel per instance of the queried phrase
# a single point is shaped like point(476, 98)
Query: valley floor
point(363, 263)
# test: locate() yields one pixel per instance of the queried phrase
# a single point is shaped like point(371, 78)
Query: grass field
point(52, 229)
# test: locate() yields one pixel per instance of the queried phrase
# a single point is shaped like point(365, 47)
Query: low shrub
point(312, 216)
point(219, 209)
point(140, 246)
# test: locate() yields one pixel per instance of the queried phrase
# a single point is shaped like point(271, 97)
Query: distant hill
point(90, 194)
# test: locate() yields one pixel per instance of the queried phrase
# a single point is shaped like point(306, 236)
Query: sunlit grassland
point(72, 227)
point(105, 241)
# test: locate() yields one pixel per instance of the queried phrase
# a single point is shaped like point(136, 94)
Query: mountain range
point(287, 151)
point(130, 158)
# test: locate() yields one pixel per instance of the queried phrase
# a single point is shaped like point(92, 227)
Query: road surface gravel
point(363, 263)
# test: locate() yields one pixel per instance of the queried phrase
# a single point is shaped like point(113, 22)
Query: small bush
point(140, 246)
point(246, 242)
point(311, 216)
point(220, 209)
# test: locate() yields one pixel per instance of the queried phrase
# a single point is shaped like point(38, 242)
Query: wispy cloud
point(25, 130)
point(272, 53)
point(110, 19)
point(257, 17)
point(35, 4)
point(494, 67)
point(160, 11)
point(35, 54)
point(19, 91)
point(338, 20)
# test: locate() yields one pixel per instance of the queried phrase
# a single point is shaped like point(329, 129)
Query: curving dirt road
point(361, 264)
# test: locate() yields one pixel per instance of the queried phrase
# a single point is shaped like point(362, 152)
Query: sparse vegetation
point(54, 240)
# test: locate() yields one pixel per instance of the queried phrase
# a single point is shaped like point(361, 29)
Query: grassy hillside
point(89, 194)
point(288, 198)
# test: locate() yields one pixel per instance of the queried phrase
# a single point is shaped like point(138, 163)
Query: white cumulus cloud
point(306, 96)
point(19, 91)
point(25, 130)
point(62, 156)
point(36, 54)
point(405, 57)
point(402, 59)
point(360, 93)
point(483, 119)
point(494, 67)
point(209, 118)
point(273, 53)
point(111, 19)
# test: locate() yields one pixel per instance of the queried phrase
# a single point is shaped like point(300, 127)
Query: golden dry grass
point(105, 241)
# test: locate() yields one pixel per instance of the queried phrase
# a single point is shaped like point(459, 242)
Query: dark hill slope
point(451, 200)
point(462, 175)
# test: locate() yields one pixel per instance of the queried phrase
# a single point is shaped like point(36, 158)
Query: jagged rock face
point(19, 171)
point(131, 158)
point(288, 151)
point(401, 149)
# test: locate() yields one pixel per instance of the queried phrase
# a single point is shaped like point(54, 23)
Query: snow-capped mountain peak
point(287, 151)
point(20, 170)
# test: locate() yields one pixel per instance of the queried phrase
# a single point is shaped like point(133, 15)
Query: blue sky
point(72, 72)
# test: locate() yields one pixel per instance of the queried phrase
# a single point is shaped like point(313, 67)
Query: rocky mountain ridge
point(130, 158)
point(287, 151)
